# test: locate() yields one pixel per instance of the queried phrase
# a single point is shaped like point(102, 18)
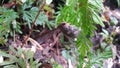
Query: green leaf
point(97, 18)
point(7, 55)
point(96, 3)
point(105, 31)
point(113, 21)
point(21, 62)
point(11, 66)
point(19, 52)
point(118, 1)
point(83, 14)
point(30, 15)
point(6, 18)
point(34, 64)
point(66, 54)
point(8, 15)
point(7, 63)
point(28, 54)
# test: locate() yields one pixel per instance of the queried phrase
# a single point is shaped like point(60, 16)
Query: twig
point(31, 30)
point(14, 35)
point(35, 43)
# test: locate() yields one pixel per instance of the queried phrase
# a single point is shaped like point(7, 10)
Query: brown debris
point(47, 44)
point(9, 5)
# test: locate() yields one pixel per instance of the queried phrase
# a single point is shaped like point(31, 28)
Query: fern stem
point(33, 24)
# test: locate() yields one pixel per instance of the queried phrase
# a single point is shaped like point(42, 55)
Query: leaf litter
point(47, 45)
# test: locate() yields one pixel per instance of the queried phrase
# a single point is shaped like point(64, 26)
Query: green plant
point(6, 18)
point(118, 1)
point(57, 66)
point(99, 59)
point(29, 13)
point(19, 58)
point(24, 14)
point(29, 17)
point(83, 14)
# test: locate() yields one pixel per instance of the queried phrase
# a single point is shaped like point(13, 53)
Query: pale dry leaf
point(48, 2)
point(110, 62)
point(117, 29)
point(1, 59)
point(23, 1)
point(33, 48)
point(14, 23)
point(70, 64)
point(23, 56)
point(114, 52)
point(28, 65)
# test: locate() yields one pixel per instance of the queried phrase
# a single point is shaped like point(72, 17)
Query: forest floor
point(57, 45)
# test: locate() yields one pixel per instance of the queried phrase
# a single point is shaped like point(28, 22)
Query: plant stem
point(33, 24)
